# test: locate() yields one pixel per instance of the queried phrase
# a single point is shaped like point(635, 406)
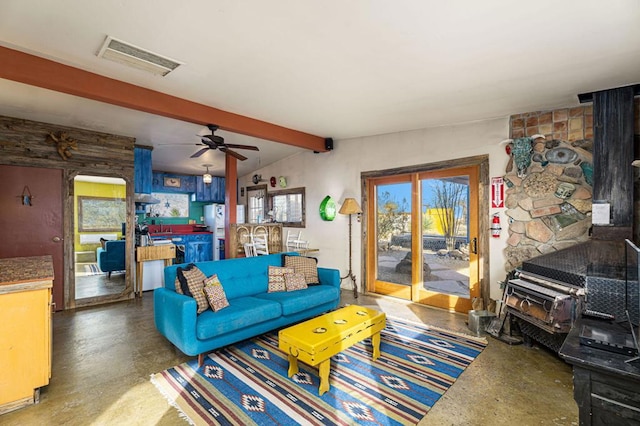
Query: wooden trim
point(416, 244)
point(36, 71)
point(478, 169)
point(230, 200)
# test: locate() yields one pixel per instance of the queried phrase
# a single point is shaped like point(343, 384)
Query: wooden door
point(36, 229)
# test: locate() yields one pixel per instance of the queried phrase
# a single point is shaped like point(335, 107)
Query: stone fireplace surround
point(550, 207)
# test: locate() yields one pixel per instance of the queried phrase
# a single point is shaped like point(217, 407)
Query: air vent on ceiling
point(133, 56)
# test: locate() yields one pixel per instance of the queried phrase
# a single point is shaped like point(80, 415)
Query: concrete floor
point(103, 357)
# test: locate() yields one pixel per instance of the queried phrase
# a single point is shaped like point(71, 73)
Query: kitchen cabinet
point(143, 175)
point(213, 192)
point(198, 247)
point(172, 182)
point(25, 329)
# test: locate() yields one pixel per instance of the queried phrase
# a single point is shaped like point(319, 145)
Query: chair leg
point(200, 359)
point(109, 275)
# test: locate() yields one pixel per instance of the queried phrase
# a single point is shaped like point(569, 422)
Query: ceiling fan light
point(206, 178)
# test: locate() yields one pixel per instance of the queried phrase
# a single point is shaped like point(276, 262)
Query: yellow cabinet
point(25, 329)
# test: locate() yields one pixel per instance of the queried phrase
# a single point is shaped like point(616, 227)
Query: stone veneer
point(550, 208)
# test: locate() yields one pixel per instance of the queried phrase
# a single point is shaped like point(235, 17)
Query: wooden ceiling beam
point(36, 71)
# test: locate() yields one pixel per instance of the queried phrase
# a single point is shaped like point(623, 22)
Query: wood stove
point(552, 291)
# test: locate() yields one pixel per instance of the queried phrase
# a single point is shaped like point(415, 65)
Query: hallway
point(103, 357)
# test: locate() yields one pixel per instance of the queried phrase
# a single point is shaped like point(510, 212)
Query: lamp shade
point(350, 206)
point(206, 178)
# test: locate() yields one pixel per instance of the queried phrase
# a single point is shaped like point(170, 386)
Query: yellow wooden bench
point(315, 341)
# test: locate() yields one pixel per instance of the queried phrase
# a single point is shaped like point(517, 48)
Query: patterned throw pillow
point(276, 278)
point(191, 280)
point(215, 293)
point(304, 265)
point(295, 282)
point(178, 285)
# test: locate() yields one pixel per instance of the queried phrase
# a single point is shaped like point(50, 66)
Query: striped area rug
point(92, 269)
point(247, 383)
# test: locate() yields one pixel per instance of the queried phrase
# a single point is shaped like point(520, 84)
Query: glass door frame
point(478, 166)
point(373, 284)
point(442, 300)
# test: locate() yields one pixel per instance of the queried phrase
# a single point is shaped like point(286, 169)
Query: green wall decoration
point(328, 208)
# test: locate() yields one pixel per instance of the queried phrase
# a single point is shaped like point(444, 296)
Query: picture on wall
point(170, 205)
point(98, 214)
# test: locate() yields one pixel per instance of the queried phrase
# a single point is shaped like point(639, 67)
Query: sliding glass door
point(423, 237)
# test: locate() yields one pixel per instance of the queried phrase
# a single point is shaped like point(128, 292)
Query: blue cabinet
point(198, 247)
point(172, 182)
point(210, 192)
point(143, 176)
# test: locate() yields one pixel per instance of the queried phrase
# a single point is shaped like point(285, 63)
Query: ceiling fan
point(213, 141)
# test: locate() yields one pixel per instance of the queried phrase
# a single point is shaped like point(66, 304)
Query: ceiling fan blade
point(236, 146)
point(199, 153)
point(233, 153)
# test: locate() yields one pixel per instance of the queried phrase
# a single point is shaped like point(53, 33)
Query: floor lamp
point(350, 207)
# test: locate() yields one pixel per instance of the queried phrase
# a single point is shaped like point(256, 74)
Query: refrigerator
point(214, 219)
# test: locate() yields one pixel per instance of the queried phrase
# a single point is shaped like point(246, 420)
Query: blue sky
point(400, 191)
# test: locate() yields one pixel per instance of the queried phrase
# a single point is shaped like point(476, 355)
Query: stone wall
point(549, 208)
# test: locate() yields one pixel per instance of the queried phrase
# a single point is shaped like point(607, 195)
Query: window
point(256, 197)
point(288, 207)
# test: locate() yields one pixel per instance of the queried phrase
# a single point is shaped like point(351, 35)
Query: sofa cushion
point(295, 282)
point(215, 293)
point(304, 265)
point(242, 312)
point(191, 280)
point(297, 301)
point(276, 278)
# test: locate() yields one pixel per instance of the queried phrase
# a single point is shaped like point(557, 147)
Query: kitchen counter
point(16, 272)
point(182, 229)
point(162, 234)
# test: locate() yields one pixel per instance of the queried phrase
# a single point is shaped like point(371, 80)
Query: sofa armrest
point(99, 253)
point(175, 318)
point(328, 276)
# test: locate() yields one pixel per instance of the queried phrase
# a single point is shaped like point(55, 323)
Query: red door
point(34, 230)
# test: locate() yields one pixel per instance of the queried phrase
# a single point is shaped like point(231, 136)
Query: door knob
point(56, 239)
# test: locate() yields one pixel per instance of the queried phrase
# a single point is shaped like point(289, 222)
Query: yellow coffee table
point(315, 341)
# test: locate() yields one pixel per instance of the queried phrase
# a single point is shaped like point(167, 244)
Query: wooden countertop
point(20, 270)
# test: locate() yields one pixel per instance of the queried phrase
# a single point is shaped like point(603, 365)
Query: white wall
point(337, 173)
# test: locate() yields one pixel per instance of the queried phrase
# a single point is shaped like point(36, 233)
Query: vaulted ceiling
point(330, 69)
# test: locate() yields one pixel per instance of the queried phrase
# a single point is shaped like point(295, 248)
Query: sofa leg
point(109, 275)
point(200, 360)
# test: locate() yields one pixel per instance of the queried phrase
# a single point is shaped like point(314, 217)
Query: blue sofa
point(252, 310)
point(112, 256)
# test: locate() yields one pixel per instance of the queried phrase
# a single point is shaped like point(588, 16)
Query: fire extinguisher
point(495, 226)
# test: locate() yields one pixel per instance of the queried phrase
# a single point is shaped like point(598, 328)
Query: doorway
point(422, 232)
point(99, 231)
